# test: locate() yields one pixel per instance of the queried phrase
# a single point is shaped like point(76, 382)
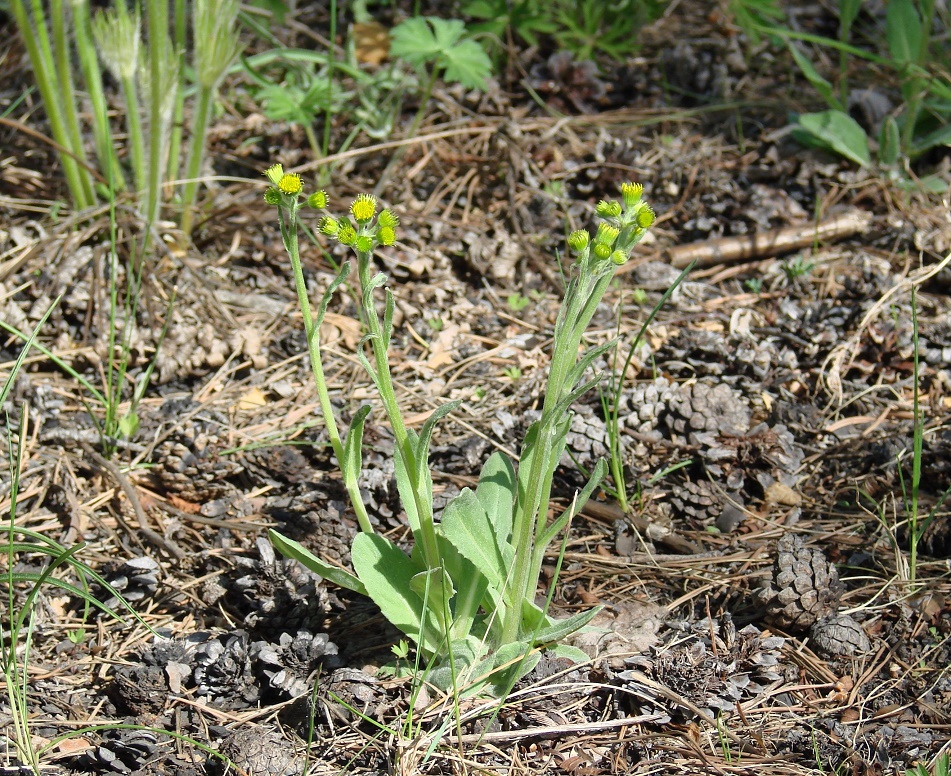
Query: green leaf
point(338, 281)
point(940, 137)
point(421, 448)
point(496, 492)
point(467, 526)
point(405, 486)
point(838, 132)
point(438, 42)
point(903, 31)
point(577, 505)
point(558, 629)
point(291, 549)
point(468, 64)
point(820, 84)
point(471, 587)
point(568, 652)
point(387, 572)
point(889, 141)
point(352, 463)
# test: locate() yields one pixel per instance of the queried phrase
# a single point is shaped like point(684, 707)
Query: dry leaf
point(252, 400)
point(371, 42)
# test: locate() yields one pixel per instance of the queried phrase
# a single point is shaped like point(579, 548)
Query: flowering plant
point(465, 594)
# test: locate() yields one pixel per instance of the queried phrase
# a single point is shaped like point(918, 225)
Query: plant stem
point(200, 118)
point(404, 447)
point(288, 221)
point(36, 39)
point(92, 75)
point(178, 114)
point(157, 54)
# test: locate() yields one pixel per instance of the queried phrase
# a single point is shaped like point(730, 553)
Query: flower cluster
point(364, 231)
point(624, 225)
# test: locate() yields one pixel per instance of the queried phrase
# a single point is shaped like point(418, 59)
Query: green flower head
point(386, 235)
point(318, 200)
point(363, 208)
point(645, 217)
point(388, 219)
point(610, 209)
point(619, 257)
point(364, 243)
point(272, 196)
point(602, 250)
point(607, 234)
point(578, 240)
point(274, 173)
point(329, 226)
point(347, 234)
point(290, 183)
point(631, 193)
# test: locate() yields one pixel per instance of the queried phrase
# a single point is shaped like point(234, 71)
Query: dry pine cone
point(805, 586)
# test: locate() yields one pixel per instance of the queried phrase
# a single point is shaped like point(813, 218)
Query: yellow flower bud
point(609, 209)
point(274, 173)
point(318, 200)
point(602, 250)
point(619, 257)
point(347, 234)
point(578, 240)
point(607, 234)
point(364, 243)
point(631, 193)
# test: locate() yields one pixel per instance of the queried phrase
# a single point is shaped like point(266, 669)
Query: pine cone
point(699, 412)
point(259, 751)
point(290, 664)
point(223, 672)
point(698, 501)
point(805, 586)
point(840, 635)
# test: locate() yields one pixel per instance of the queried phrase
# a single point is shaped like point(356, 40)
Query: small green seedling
point(517, 302)
point(512, 372)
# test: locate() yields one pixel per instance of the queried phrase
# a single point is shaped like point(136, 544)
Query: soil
point(760, 607)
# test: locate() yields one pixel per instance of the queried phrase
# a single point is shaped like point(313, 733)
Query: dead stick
point(762, 245)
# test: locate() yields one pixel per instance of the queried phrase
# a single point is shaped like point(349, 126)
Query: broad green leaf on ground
point(387, 573)
point(838, 132)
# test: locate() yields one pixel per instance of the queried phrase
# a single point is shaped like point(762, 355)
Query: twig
point(154, 537)
point(761, 245)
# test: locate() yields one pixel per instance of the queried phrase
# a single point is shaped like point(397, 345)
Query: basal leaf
point(466, 525)
point(352, 462)
point(496, 492)
point(387, 572)
point(838, 132)
point(291, 549)
point(558, 629)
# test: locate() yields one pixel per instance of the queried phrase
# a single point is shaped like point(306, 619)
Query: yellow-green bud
point(388, 219)
point(272, 196)
point(387, 234)
point(329, 226)
point(619, 257)
point(610, 209)
point(347, 234)
point(602, 250)
point(318, 200)
point(363, 208)
point(290, 183)
point(631, 193)
point(274, 173)
point(645, 217)
point(607, 234)
point(364, 243)
point(578, 240)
